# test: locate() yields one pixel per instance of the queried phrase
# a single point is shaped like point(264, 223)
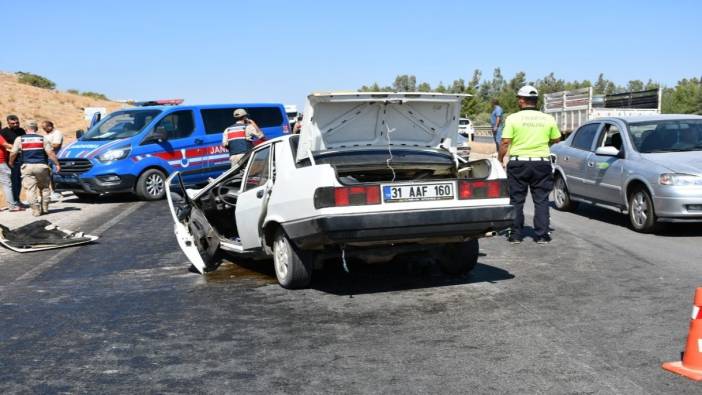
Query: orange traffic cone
point(691, 364)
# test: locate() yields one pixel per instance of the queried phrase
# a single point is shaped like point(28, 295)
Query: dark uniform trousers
point(537, 176)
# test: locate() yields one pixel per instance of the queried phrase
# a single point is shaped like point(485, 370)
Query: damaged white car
point(371, 176)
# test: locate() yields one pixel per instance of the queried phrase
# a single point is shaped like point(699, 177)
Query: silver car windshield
point(121, 124)
point(667, 136)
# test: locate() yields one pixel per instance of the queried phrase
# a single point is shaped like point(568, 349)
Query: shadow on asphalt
point(613, 218)
point(89, 199)
point(362, 278)
point(398, 276)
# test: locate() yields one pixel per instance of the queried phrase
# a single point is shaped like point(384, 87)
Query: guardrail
point(485, 131)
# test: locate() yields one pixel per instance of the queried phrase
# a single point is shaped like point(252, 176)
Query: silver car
point(647, 167)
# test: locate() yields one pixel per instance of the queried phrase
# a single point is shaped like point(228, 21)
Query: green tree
point(685, 98)
point(635, 86)
point(405, 83)
point(34, 80)
point(424, 87)
point(458, 86)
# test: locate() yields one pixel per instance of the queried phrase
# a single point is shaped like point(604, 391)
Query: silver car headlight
point(677, 179)
point(115, 154)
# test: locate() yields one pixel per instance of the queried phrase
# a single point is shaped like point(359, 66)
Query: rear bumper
point(94, 185)
point(399, 225)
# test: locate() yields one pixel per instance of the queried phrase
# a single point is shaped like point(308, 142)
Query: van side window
point(585, 136)
point(218, 119)
point(177, 125)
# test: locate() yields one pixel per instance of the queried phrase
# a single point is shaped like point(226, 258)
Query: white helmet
point(528, 91)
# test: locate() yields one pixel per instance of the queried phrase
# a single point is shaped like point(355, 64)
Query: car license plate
point(418, 192)
point(66, 178)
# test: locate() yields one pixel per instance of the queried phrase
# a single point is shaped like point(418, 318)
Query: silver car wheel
point(280, 257)
point(154, 185)
point(639, 213)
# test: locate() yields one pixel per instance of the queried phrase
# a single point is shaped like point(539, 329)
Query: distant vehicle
point(466, 129)
point(134, 149)
point(293, 113)
point(647, 167)
point(573, 108)
point(368, 177)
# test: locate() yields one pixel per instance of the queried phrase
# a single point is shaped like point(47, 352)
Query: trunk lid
point(341, 121)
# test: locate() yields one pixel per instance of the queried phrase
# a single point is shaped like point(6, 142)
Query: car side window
point(258, 169)
point(177, 125)
point(610, 136)
point(585, 136)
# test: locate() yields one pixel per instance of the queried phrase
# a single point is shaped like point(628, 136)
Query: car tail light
point(490, 189)
point(346, 196)
point(286, 129)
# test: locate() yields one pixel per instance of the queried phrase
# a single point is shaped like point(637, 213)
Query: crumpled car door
point(195, 235)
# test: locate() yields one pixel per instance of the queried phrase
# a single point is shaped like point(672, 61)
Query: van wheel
point(459, 258)
point(561, 197)
point(641, 212)
point(293, 268)
point(151, 185)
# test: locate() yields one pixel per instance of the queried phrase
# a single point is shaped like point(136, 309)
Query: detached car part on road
point(647, 167)
point(41, 235)
point(370, 176)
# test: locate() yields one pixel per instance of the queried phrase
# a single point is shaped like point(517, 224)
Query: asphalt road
point(597, 311)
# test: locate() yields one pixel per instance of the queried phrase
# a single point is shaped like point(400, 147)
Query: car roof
point(204, 106)
point(652, 118)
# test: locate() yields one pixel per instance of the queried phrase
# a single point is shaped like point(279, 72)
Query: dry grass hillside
point(31, 103)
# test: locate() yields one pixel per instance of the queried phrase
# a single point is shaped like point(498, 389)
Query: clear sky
point(232, 51)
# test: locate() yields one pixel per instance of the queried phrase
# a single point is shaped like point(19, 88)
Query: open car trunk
point(382, 120)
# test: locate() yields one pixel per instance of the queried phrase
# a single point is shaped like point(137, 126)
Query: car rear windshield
point(667, 135)
point(218, 119)
point(121, 124)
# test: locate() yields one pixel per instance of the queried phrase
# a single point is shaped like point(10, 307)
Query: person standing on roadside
point(5, 172)
point(10, 134)
point(36, 152)
point(239, 137)
point(55, 138)
point(527, 137)
point(497, 122)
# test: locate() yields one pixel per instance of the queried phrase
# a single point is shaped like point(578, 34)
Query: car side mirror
point(607, 151)
point(79, 134)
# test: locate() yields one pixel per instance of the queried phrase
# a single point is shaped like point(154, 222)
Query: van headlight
point(114, 154)
point(679, 179)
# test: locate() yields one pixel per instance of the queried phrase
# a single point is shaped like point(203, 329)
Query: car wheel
point(151, 185)
point(561, 197)
point(459, 258)
point(641, 212)
point(293, 268)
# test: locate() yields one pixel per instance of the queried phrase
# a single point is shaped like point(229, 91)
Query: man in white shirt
point(55, 138)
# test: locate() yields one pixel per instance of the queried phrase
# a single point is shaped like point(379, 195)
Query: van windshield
point(121, 124)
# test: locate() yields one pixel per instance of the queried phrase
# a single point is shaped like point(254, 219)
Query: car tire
point(642, 214)
point(459, 258)
point(151, 185)
point(293, 267)
point(561, 196)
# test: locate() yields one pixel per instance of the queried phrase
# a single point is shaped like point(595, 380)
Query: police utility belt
point(530, 159)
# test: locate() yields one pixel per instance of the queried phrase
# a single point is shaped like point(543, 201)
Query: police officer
point(527, 136)
point(239, 137)
point(36, 175)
